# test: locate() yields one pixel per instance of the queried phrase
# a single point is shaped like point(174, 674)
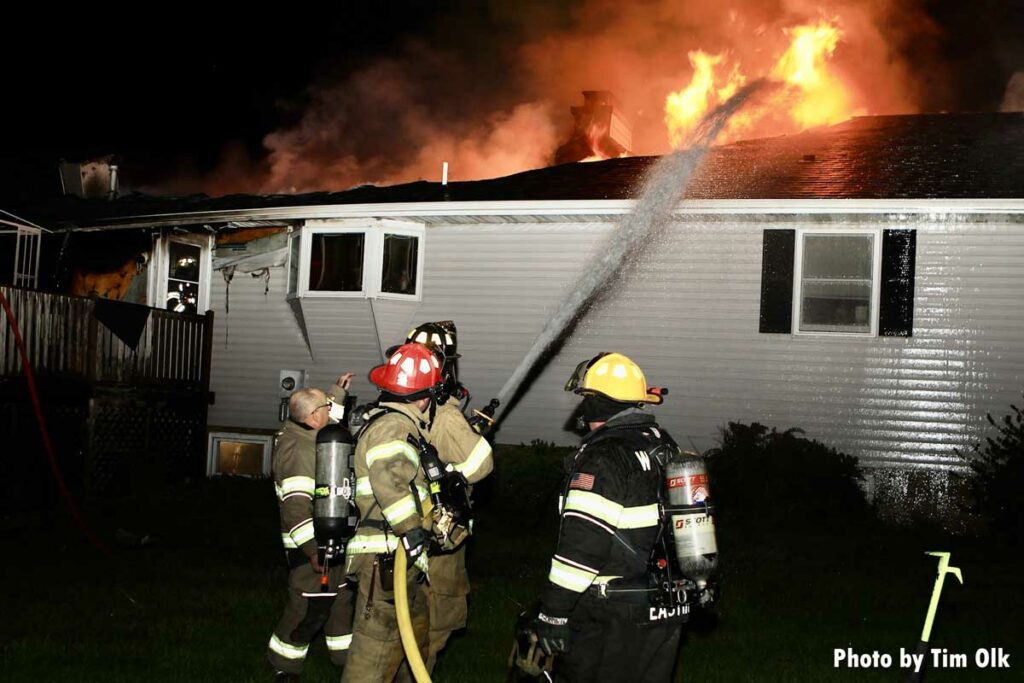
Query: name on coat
point(659, 613)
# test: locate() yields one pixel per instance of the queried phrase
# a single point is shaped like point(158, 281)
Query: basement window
point(239, 454)
point(376, 259)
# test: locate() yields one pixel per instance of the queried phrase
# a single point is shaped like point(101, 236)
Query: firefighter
point(294, 469)
point(596, 614)
point(391, 493)
point(469, 452)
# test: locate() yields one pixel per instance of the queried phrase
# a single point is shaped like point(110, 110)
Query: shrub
point(998, 475)
point(761, 476)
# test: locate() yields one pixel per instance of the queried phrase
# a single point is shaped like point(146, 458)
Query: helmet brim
point(377, 375)
point(650, 397)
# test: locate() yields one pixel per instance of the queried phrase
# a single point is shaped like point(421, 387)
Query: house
point(861, 282)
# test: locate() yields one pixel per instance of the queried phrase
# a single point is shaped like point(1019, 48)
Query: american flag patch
point(582, 481)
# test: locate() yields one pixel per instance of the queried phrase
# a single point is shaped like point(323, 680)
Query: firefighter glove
point(553, 633)
point(415, 543)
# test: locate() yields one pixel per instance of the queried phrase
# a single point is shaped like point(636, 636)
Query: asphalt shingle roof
point(939, 156)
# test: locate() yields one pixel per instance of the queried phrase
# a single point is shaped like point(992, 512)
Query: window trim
point(408, 231)
point(876, 280)
point(373, 256)
point(156, 290)
point(306, 251)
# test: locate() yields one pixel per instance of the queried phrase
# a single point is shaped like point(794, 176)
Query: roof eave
point(546, 208)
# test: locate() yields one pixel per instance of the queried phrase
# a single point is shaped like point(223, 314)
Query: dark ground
point(199, 602)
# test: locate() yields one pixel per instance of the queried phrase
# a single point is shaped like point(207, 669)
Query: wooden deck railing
point(64, 338)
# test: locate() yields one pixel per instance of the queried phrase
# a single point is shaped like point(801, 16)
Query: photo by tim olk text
point(935, 658)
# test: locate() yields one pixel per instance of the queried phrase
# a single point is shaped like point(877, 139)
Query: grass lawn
point(198, 604)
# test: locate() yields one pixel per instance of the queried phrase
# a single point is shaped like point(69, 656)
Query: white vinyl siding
point(687, 311)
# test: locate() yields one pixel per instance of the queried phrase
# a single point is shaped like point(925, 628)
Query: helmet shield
point(576, 381)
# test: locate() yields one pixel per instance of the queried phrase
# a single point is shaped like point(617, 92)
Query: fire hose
point(412, 650)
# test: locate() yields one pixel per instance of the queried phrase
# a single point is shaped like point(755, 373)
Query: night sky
point(186, 100)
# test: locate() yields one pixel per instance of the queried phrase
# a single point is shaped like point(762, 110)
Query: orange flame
point(813, 95)
point(596, 134)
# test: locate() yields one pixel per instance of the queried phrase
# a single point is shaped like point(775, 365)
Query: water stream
point(663, 188)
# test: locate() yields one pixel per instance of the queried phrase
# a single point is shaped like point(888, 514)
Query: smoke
point(487, 87)
point(405, 142)
point(1013, 99)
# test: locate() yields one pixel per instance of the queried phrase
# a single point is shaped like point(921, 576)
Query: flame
point(813, 95)
point(596, 134)
point(684, 109)
point(822, 97)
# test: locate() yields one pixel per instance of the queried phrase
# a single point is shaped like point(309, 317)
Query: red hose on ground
point(76, 515)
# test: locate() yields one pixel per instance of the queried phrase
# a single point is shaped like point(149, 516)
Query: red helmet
point(410, 369)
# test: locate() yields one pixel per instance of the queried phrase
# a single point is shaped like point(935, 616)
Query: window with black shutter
point(826, 281)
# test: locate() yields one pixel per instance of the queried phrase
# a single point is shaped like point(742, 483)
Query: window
point(182, 290)
point(239, 454)
point(837, 283)
point(401, 254)
point(358, 258)
point(827, 281)
point(336, 262)
point(179, 273)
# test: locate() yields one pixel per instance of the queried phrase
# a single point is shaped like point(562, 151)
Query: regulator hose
point(412, 650)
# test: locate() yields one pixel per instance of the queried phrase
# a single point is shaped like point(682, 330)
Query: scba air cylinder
point(693, 523)
point(334, 511)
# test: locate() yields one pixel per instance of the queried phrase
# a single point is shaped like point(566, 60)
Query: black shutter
point(777, 281)
point(896, 314)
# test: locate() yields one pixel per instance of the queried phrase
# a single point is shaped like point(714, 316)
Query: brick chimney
point(600, 129)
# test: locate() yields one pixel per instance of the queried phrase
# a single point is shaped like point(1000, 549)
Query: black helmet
point(439, 334)
point(441, 338)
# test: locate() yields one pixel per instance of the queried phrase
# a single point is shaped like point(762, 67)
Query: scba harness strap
point(651, 591)
point(651, 447)
point(449, 490)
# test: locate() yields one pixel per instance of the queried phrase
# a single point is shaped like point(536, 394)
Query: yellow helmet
point(613, 376)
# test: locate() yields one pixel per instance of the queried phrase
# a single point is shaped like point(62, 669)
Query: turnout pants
point(616, 642)
point(449, 586)
point(376, 652)
point(304, 617)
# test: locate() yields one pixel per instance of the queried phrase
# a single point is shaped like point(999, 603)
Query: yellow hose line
point(412, 650)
